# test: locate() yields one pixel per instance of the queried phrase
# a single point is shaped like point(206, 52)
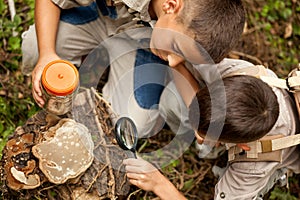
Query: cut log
point(104, 179)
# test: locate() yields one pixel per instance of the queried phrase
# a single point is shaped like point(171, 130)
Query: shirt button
point(222, 195)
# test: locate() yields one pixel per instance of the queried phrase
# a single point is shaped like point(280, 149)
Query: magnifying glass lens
point(126, 135)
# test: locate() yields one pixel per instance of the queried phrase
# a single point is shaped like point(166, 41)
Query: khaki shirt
point(66, 4)
point(129, 13)
point(141, 6)
point(244, 180)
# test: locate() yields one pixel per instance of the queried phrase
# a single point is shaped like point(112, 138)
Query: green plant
point(16, 103)
point(15, 107)
point(11, 31)
point(278, 194)
point(276, 26)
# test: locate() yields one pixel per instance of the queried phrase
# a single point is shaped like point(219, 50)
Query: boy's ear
point(172, 6)
point(245, 147)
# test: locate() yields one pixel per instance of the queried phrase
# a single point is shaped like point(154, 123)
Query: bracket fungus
point(19, 165)
point(65, 154)
point(30, 181)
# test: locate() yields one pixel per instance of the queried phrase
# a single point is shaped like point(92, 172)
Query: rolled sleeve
point(66, 4)
point(141, 6)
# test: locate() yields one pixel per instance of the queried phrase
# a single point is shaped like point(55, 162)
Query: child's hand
point(200, 140)
point(36, 78)
point(143, 174)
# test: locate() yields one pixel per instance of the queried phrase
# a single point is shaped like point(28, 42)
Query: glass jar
point(60, 81)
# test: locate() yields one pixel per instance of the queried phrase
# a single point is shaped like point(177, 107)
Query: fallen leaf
point(2, 93)
point(288, 30)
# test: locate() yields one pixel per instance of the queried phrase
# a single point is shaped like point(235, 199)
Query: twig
point(133, 193)
point(200, 178)
point(124, 181)
point(110, 170)
point(181, 178)
point(251, 30)
point(247, 56)
point(95, 178)
point(12, 11)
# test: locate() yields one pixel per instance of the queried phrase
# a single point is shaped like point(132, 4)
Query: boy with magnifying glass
point(244, 109)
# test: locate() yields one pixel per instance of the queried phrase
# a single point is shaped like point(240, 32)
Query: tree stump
point(104, 178)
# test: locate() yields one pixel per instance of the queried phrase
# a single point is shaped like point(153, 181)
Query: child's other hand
point(143, 174)
point(36, 78)
point(200, 140)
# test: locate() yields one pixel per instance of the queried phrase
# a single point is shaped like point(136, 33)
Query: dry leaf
point(288, 30)
point(3, 93)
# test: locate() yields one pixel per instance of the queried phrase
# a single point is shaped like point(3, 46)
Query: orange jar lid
point(60, 78)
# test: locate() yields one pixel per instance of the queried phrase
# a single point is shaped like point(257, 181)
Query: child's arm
point(185, 83)
point(145, 176)
point(46, 22)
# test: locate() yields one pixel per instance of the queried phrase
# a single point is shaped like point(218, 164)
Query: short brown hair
point(216, 24)
point(251, 108)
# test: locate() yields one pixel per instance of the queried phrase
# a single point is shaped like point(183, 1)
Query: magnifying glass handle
point(134, 153)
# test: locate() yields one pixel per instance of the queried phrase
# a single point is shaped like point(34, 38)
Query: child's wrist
point(161, 186)
point(164, 189)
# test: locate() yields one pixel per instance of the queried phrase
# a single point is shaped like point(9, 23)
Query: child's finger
point(199, 139)
point(137, 176)
point(138, 166)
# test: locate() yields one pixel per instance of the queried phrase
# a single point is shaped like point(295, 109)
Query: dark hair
point(251, 108)
point(216, 24)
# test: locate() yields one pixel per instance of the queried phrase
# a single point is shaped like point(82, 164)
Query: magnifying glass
point(126, 134)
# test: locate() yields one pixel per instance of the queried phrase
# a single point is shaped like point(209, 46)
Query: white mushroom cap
point(30, 182)
point(68, 154)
